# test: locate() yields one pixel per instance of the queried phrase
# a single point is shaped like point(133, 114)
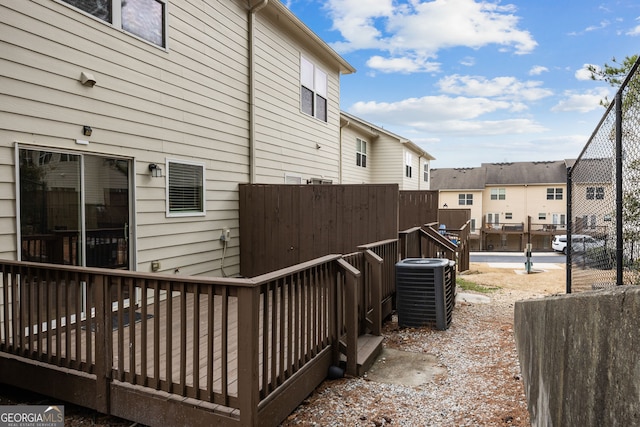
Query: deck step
point(369, 348)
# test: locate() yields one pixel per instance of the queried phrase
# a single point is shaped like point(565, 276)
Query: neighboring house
point(372, 155)
point(509, 202)
point(594, 197)
point(126, 127)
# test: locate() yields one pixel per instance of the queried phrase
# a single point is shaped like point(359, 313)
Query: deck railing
point(428, 242)
point(236, 344)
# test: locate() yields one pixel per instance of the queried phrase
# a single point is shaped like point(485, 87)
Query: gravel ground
point(482, 385)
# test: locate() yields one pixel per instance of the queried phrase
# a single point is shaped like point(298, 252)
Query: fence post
point(569, 227)
point(104, 343)
point(619, 193)
point(375, 266)
point(248, 365)
point(351, 314)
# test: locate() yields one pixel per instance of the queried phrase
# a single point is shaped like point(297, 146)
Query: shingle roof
point(517, 173)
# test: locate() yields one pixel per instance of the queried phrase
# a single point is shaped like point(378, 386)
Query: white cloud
point(419, 29)
point(401, 65)
point(635, 31)
point(498, 87)
point(601, 25)
point(581, 102)
point(435, 108)
point(537, 70)
point(442, 114)
point(468, 61)
point(584, 74)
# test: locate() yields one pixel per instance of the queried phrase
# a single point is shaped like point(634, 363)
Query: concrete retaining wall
point(580, 357)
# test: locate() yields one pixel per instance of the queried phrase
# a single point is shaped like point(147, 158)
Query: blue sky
point(474, 81)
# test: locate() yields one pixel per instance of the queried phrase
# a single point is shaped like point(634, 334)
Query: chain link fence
point(603, 207)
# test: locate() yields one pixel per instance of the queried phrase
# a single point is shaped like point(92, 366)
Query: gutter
point(253, 10)
point(346, 124)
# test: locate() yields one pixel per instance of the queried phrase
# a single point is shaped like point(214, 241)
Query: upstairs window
point(425, 172)
point(554, 193)
point(408, 160)
point(361, 153)
point(313, 90)
point(498, 194)
point(465, 199)
point(143, 18)
point(185, 192)
point(596, 193)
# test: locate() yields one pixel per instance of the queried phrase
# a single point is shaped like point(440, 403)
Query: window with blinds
point(186, 189)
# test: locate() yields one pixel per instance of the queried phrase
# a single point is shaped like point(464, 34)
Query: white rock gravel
point(482, 385)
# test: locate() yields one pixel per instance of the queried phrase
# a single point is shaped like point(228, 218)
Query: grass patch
point(467, 285)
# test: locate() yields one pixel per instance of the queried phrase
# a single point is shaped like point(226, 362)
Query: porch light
point(155, 170)
point(87, 131)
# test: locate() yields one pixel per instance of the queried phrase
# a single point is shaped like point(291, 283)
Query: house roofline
point(375, 131)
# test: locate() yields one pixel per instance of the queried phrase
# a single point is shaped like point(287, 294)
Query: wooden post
point(248, 348)
point(351, 315)
point(375, 262)
point(104, 343)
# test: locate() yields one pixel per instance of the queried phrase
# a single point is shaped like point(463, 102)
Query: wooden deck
point(236, 352)
point(198, 351)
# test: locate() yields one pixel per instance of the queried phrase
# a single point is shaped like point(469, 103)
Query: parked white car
point(559, 243)
point(579, 243)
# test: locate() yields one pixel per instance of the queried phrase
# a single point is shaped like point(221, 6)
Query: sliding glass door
point(74, 208)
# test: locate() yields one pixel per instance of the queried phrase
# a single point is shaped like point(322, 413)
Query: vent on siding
point(319, 181)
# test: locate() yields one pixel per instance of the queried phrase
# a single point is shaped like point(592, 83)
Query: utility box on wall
point(425, 292)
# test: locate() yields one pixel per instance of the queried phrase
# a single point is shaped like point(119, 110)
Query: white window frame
point(467, 198)
point(559, 219)
point(425, 171)
point(498, 194)
point(408, 164)
point(292, 179)
point(116, 20)
point(555, 193)
point(361, 153)
point(169, 212)
point(493, 218)
point(315, 80)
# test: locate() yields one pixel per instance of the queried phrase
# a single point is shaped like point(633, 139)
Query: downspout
point(253, 10)
point(340, 151)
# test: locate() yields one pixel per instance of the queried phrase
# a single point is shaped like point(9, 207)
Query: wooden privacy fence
point(175, 350)
point(283, 225)
point(416, 208)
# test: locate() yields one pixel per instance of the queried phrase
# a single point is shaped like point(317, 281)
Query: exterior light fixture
point(87, 131)
point(155, 170)
point(87, 79)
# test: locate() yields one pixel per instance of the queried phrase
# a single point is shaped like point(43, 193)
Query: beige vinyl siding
point(387, 161)
point(188, 102)
point(351, 172)
point(286, 138)
point(416, 173)
point(450, 198)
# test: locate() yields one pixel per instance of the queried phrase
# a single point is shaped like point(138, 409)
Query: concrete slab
point(404, 367)
point(472, 298)
point(538, 265)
